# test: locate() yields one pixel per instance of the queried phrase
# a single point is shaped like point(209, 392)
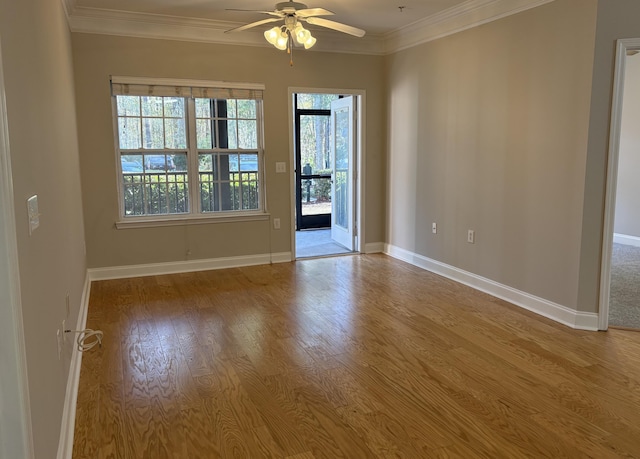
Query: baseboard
point(559, 313)
point(281, 257)
point(154, 269)
point(374, 247)
point(65, 444)
point(626, 239)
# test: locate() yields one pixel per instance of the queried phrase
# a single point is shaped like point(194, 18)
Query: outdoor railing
point(167, 192)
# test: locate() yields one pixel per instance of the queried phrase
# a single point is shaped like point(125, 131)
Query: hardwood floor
point(357, 357)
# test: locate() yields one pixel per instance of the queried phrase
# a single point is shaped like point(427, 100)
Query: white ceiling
point(374, 16)
point(388, 27)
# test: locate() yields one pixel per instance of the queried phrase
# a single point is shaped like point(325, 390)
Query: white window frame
point(195, 214)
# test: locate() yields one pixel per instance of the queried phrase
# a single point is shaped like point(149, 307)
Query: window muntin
point(185, 156)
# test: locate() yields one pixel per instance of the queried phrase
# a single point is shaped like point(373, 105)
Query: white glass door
point(342, 154)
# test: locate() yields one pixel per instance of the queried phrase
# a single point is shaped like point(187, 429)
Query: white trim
point(374, 247)
point(461, 17)
point(65, 445)
point(281, 257)
point(174, 267)
point(559, 313)
point(622, 47)
point(185, 83)
point(626, 239)
point(14, 397)
point(361, 127)
point(189, 219)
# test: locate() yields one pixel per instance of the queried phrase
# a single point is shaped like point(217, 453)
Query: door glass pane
point(316, 101)
point(342, 168)
point(315, 144)
point(316, 196)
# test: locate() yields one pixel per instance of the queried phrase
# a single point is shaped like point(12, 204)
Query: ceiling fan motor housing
point(290, 7)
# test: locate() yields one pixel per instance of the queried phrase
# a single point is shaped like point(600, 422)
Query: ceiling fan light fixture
point(302, 34)
point(282, 42)
point(309, 42)
point(272, 35)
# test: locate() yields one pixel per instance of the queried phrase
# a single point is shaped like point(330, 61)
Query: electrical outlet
point(471, 237)
point(434, 227)
point(276, 223)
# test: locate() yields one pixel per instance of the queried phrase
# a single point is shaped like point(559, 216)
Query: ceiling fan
point(294, 14)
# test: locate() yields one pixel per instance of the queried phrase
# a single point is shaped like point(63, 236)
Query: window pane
point(231, 110)
point(208, 163)
point(175, 135)
point(203, 134)
point(159, 163)
point(232, 134)
point(249, 163)
point(233, 162)
point(131, 164)
point(151, 106)
point(203, 108)
point(179, 162)
point(129, 133)
point(247, 109)
point(152, 133)
point(173, 107)
point(128, 105)
point(247, 134)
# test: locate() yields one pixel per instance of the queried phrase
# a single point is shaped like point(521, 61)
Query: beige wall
point(97, 57)
point(38, 74)
point(488, 131)
point(627, 219)
point(616, 19)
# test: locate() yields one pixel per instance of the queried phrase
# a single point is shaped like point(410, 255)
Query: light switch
point(281, 167)
point(32, 212)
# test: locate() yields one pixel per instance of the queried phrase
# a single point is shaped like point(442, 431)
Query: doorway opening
point(620, 271)
point(327, 155)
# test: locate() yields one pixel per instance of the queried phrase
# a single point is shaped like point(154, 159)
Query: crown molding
point(147, 25)
point(464, 16)
point(467, 15)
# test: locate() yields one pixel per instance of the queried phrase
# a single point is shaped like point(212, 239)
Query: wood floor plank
point(357, 357)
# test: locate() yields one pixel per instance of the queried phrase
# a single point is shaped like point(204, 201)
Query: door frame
point(622, 47)
point(14, 389)
point(360, 161)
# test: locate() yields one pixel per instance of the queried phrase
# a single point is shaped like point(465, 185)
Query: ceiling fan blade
point(308, 12)
point(252, 24)
point(271, 13)
point(336, 26)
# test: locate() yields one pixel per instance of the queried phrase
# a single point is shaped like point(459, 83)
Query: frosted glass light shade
point(309, 42)
point(302, 34)
point(282, 41)
point(272, 35)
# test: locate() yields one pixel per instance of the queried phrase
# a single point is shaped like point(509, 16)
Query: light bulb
point(309, 42)
point(282, 41)
point(271, 35)
point(302, 34)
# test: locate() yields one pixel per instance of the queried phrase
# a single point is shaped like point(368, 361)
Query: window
point(187, 151)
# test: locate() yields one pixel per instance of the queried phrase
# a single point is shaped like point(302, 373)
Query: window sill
point(190, 220)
